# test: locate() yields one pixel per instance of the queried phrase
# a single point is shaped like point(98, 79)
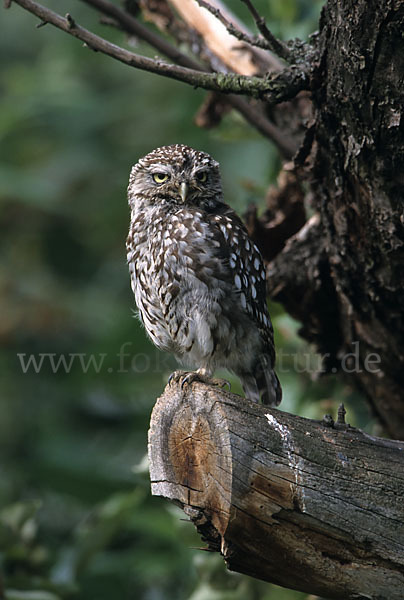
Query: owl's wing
point(245, 268)
point(217, 249)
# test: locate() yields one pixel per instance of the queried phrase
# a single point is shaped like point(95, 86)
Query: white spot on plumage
point(237, 282)
point(224, 231)
point(257, 264)
point(243, 300)
point(182, 231)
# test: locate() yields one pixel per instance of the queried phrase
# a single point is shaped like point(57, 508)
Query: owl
point(198, 279)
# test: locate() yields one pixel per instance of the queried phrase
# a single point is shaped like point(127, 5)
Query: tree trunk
point(344, 278)
point(313, 506)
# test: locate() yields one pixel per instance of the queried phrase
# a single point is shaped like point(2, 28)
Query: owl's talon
point(201, 378)
point(184, 378)
point(176, 377)
point(187, 379)
point(225, 384)
point(219, 382)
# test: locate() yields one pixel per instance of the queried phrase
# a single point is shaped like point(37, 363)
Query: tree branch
point(257, 41)
point(281, 87)
point(132, 26)
point(237, 57)
point(269, 490)
point(273, 43)
point(285, 143)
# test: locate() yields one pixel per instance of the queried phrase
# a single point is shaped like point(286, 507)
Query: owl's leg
point(202, 375)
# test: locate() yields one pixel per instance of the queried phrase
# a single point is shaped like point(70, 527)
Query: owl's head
point(176, 175)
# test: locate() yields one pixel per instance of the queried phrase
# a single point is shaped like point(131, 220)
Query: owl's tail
point(270, 388)
point(263, 384)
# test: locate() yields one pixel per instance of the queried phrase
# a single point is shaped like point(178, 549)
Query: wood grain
point(284, 499)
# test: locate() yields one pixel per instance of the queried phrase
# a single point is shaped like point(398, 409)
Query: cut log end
point(284, 499)
point(186, 465)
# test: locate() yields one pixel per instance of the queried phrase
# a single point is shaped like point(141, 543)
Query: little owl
point(198, 280)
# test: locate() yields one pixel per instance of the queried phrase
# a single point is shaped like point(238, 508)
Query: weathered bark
point(351, 267)
point(284, 499)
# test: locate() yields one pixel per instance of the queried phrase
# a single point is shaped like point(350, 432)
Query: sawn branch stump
point(284, 499)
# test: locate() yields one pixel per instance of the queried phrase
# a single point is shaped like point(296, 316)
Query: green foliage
point(76, 518)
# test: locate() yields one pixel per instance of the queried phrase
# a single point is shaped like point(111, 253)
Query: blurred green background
point(76, 516)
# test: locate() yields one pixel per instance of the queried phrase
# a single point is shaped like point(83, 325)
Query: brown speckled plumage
point(198, 280)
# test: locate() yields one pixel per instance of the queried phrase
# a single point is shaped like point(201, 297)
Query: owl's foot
point(187, 377)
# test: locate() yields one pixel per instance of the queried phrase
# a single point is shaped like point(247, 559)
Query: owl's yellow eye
point(160, 177)
point(201, 176)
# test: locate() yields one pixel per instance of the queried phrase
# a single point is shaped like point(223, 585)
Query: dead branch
point(132, 26)
point(257, 41)
point(275, 45)
point(236, 56)
point(308, 505)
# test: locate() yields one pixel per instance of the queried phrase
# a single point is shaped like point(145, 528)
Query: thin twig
point(132, 26)
point(109, 22)
point(286, 145)
point(276, 45)
point(273, 89)
point(257, 41)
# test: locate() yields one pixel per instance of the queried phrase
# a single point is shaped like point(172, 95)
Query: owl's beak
point(184, 190)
